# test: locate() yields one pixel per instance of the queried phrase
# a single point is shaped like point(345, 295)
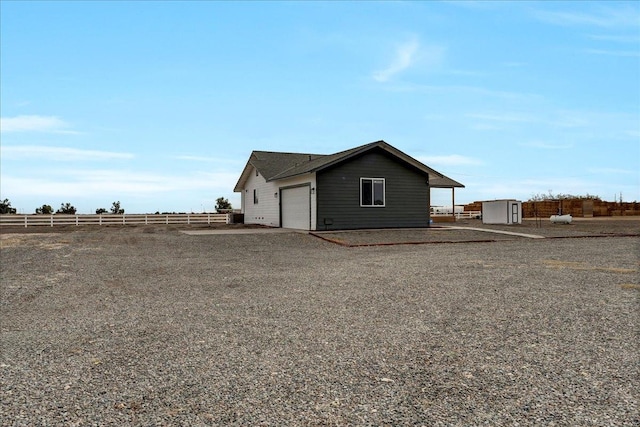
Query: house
point(371, 186)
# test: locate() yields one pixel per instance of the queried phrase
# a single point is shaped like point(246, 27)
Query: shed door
point(515, 213)
point(296, 207)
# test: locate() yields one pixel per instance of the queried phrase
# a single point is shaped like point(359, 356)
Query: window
point(255, 196)
point(372, 192)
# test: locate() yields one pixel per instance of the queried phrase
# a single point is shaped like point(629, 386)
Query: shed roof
point(275, 165)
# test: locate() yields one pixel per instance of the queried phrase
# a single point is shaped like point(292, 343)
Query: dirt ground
point(592, 226)
point(580, 226)
point(149, 326)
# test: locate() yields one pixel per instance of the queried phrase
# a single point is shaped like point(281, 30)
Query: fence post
point(167, 219)
point(25, 221)
point(145, 220)
point(100, 222)
point(188, 220)
point(76, 220)
point(52, 220)
point(123, 222)
point(208, 219)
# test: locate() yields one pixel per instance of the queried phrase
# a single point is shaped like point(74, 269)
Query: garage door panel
point(296, 207)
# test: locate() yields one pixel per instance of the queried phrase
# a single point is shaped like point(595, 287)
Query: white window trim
point(384, 193)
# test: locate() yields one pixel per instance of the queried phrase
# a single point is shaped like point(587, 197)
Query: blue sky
point(159, 104)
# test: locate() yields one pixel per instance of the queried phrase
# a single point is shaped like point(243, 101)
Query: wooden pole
point(453, 202)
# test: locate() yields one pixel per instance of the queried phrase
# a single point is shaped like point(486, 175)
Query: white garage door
point(296, 208)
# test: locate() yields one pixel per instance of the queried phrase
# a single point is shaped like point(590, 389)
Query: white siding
point(267, 210)
point(502, 212)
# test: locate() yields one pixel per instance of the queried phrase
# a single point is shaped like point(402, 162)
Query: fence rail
point(459, 215)
point(126, 219)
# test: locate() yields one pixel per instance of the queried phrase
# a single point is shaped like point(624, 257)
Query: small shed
point(507, 211)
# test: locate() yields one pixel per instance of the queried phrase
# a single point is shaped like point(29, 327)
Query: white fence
point(126, 219)
point(459, 215)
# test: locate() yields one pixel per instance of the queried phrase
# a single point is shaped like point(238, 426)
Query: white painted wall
point(267, 210)
point(502, 212)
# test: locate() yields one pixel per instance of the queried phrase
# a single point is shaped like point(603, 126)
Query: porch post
point(453, 202)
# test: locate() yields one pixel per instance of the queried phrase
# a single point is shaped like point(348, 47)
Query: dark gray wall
point(338, 194)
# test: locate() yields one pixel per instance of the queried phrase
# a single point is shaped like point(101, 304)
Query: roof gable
point(274, 166)
point(270, 164)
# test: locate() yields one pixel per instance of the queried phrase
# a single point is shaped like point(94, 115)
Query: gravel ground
point(579, 227)
point(148, 326)
point(465, 232)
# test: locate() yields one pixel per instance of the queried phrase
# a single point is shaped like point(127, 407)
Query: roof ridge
point(326, 158)
point(288, 152)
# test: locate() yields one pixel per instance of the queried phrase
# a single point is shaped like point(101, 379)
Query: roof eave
point(244, 176)
point(447, 183)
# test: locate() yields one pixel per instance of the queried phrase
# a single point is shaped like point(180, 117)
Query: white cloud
point(34, 123)
point(205, 159)
point(59, 153)
point(498, 121)
point(602, 17)
point(461, 90)
point(196, 158)
point(407, 55)
point(450, 160)
point(616, 38)
point(525, 188)
point(616, 171)
point(486, 126)
point(404, 57)
point(545, 145)
point(514, 64)
point(622, 53)
point(503, 117)
point(115, 183)
point(590, 123)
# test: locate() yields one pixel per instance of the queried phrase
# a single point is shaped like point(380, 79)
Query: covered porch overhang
point(445, 182)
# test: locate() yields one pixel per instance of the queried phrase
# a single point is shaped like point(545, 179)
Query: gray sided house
point(371, 186)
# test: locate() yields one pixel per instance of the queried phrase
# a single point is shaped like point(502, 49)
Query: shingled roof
point(274, 165)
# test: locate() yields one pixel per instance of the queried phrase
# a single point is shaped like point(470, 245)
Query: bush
point(115, 208)
point(66, 208)
point(222, 205)
point(44, 210)
point(5, 207)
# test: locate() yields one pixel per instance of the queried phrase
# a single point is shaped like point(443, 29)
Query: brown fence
point(579, 208)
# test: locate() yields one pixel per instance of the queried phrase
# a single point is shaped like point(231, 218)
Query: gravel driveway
point(145, 326)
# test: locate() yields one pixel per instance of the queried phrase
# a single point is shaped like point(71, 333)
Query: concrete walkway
point(274, 230)
point(487, 230)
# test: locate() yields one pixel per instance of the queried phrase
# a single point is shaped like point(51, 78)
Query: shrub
point(5, 207)
point(44, 210)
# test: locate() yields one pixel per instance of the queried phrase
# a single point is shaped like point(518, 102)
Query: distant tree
point(115, 208)
point(44, 210)
point(101, 211)
point(66, 208)
point(5, 207)
point(541, 197)
point(222, 205)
